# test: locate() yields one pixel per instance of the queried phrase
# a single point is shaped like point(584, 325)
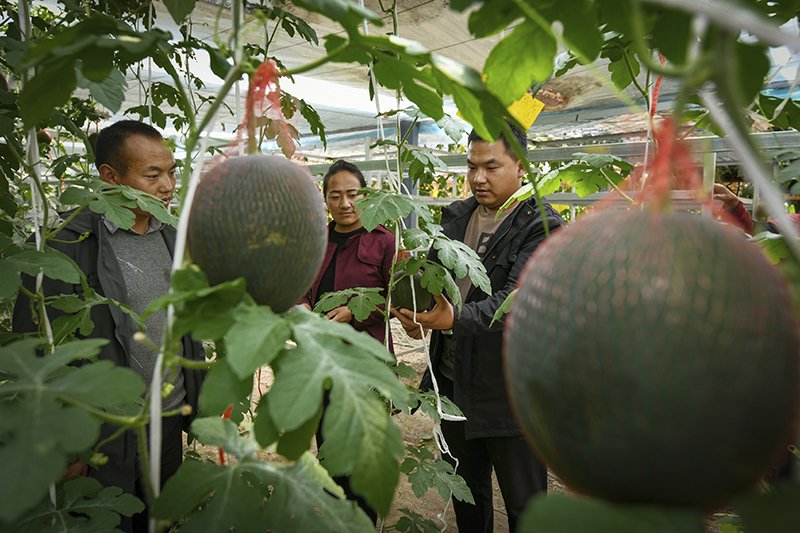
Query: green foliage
point(45, 409)
point(414, 523)
point(237, 498)
point(380, 206)
point(82, 504)
point(563, 514)
point(425, 472)
point(504, 308)
point(360, 300)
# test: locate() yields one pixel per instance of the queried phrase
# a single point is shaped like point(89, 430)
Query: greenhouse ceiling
point(579, 106)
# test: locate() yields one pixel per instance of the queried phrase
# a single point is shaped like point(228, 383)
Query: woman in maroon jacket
point(355, 257)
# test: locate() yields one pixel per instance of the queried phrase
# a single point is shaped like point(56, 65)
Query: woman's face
point(341, 198)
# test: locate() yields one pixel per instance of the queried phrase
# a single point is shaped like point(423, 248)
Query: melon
point(402, 297)
point(653, 358)
point(261, 218)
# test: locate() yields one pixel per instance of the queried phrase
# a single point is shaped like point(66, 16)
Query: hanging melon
point(261, 218)
point(653, 358)
point(402, 297)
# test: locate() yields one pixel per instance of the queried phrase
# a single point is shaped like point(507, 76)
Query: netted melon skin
point(653, 358)
point(261, 218)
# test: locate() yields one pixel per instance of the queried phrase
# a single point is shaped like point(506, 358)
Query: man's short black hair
point(109, 149)
point(520, 135)
point(338, 167)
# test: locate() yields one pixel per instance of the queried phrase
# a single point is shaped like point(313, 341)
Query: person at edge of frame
point(133, 267)
point(354, 257)
point(466, 349)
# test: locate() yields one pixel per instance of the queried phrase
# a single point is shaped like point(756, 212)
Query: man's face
point(151, 169)
point(493, 174)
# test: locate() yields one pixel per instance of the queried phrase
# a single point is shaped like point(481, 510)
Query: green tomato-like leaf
point(254, 339)
point(452, 127)
point(214, 431)
point(54, 266)
point(38, 430)
point(9, 279)
point(234, 504)
point(562, 514)
point(382, 207)
point(504, 308)
point(414, 238)
point(360, 300)
point(110, 91)
point(50, 88)
point(223, 388)
point(179, 9)
point(264, 428)
point(294, 444)
point(463, 261)
point(83, 504)
point(509, 73)
point(424, 473)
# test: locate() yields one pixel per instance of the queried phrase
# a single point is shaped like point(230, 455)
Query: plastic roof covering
point(339, 92)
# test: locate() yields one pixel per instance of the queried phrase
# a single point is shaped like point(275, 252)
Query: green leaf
point(425, 472)
point(179, 9)
point(754, 64)
point(773, 245)
point(463, 261)
point(567, 514)
point(414, 238)
point(492, 17)
point(220, 432)
point(264, 428)
point(508, 72)
point(302, 497)
point(54, 266)
point(581, 26)
point(50, 88)
point(83, 504)
point(109, 92)
point(9, 279)
point(453, 128)
point(382, 207)
point(254, 339)
point(504, 308)
point(427, 404)
point(223, 388)
point(234, 504)
point(294, 444)
point(38, 430)
point(356, 424)
point(360, 300)
point(771, 512)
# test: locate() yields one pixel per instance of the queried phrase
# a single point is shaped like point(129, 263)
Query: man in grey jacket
point(466, 352)
point(131, 266)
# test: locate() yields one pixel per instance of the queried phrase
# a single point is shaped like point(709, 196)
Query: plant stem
point(519, 151)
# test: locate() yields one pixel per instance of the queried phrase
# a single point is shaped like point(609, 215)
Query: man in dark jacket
point(466, 352)
point(132, 267)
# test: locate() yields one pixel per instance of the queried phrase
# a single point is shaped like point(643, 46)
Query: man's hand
point(340, 314)
point(440, 317)
point(726, 196)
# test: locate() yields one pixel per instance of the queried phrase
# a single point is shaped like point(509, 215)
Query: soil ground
point(417, 430)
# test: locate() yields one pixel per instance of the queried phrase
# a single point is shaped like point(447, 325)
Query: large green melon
point(402, 297)
point(653, 358)
point(261, 218)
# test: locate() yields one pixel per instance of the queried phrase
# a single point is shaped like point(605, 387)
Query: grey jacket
point(479, 383)
point(96, 260)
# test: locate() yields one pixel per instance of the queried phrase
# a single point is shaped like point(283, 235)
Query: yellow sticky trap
point(525, 110)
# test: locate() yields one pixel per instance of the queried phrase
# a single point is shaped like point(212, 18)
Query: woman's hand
point(340, 314)
point(726, 196)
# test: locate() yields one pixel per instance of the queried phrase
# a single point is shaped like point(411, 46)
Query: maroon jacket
point(365, 260)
